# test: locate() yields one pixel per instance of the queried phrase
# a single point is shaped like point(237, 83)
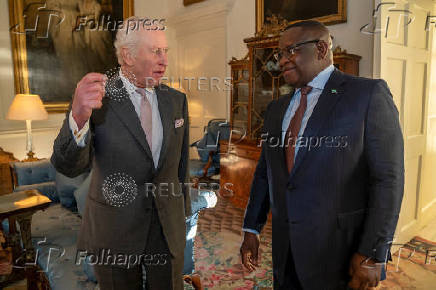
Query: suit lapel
point(166, 113)
point(125, 111)
point(326, 102)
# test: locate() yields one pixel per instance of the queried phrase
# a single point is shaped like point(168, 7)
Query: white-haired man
point(134, 134)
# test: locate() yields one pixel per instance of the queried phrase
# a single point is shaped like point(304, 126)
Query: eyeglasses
point(160, 51)
point(292, 49)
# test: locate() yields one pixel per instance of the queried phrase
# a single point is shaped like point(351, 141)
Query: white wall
point(349, 37)
point(12, 133)
point(241, 22)
point(199, 40)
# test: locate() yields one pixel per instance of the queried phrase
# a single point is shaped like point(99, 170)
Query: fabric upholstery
point(81, 192)
point(66, 186)
point(34, 172)
point(199, 200)
point(54, 236)
point(196, 168)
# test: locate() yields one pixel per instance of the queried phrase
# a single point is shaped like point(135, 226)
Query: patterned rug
point(217, 244)
point(218, 263)
point(413, 266)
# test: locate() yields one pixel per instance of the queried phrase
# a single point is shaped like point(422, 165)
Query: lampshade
point(27, 107)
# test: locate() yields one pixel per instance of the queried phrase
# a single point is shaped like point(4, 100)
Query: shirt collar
point(321, 79)
point(131, 88)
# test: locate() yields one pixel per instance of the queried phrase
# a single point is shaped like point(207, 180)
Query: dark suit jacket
point(344, 194)
point(117, 143)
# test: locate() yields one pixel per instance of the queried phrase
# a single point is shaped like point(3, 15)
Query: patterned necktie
point(294, 128)
point(145, 116)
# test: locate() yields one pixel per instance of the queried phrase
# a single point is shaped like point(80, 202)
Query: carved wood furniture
point(256, 80)
point(5, 258)
point(6, 179)
point(21, 206)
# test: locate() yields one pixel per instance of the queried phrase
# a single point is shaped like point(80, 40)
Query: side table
point(20, 206)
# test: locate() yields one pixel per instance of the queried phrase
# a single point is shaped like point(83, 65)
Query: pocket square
point(179, 123)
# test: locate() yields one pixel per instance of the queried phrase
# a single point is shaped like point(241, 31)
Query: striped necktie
point(294, 128)
point(145, 117)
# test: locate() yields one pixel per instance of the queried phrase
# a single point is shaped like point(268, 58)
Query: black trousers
point(290, 279)
point(156, 260)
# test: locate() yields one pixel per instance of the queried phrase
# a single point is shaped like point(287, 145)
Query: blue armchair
point(208, 149)
point(54, 230)
point(199, 201)
point(38, 175)
point(41, 175)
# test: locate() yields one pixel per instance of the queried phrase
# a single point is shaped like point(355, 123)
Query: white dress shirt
point(317, 84)
point(135, 98)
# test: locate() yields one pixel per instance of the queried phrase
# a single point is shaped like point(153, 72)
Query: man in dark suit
point(331, 170)
point(134, 135)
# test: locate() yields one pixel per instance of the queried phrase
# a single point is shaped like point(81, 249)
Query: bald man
point(331, 171)
point(133, 132)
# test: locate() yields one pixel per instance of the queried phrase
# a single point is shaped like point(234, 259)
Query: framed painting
point(56, 42)
point(326, 11)
point(189, 2)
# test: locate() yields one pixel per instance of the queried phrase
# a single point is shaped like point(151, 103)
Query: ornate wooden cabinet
point(256, 81)
point(6, 178)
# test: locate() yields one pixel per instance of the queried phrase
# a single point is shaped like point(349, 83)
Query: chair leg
point(208, 164)
point(194, 280)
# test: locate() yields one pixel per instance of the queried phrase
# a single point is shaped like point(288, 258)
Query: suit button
point(291, 187)
point(287, 221)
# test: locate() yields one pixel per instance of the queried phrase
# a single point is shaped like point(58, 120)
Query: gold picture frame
point(339, 16)
point(19, 43)
point(189, 2)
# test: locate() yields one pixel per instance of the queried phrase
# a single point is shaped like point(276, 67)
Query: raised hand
point(88, 96)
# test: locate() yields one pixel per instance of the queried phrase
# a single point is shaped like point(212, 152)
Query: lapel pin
point(334, 91)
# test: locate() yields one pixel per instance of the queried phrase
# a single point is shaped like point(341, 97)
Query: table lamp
point(27, 107)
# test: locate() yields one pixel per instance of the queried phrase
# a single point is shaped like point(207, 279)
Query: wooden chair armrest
point(208, 164)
